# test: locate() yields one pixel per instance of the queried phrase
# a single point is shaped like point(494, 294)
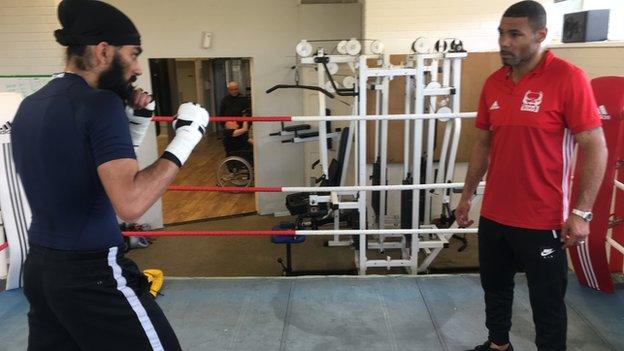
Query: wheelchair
point(236, 169)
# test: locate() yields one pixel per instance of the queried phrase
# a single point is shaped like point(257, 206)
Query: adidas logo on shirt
point(494, 106)
point(602, 110)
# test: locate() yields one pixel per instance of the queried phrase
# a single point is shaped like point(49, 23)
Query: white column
point(322, 126)
point(362, 163)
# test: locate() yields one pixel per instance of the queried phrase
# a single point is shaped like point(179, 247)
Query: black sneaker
point(486, 347)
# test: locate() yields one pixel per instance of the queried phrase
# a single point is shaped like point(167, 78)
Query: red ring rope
point(232, 118)
point(4, 246)
point(211, 233)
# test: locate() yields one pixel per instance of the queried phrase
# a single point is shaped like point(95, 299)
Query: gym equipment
point(16, 212)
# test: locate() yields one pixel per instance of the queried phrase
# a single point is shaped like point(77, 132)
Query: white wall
point(398, 22)
point(26, 38)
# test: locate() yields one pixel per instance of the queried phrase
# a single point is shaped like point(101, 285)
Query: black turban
point(90, 22)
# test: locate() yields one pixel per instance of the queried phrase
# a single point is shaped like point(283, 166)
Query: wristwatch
point(587, 216)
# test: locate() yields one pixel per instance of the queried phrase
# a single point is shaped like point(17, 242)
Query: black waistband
point(74, 255)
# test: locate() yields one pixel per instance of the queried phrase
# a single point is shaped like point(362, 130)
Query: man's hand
point(140, 111)
point(574, 231)
point(461, 214)
point(140, 99)
point(189, 125)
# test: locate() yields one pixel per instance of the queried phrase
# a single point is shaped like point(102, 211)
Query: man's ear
point(541, 34)
point(103, 54)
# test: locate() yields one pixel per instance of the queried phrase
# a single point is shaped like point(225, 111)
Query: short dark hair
point(77, 54)
point(530, 9)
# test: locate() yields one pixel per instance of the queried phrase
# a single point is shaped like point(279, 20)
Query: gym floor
point(350, 313)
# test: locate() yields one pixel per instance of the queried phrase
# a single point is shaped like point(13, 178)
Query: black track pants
point(502, 249)
point(97, 300)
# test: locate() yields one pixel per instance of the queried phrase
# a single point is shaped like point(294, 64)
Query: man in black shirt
point(73, 146)
point(234, 104)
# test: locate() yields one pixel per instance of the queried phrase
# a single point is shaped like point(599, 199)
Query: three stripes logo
point(604, 114)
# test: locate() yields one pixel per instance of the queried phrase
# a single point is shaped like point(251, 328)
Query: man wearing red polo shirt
point(531, 113)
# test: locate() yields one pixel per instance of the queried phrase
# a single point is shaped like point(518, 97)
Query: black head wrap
point(90, 22)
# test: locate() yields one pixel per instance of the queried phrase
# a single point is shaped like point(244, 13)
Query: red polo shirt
point(532, 124)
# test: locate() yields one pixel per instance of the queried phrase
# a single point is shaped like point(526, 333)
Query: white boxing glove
point(139, 122)
point(190, 126)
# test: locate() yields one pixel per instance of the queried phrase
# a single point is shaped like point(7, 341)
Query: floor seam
point(386, 316)
point(432, 318)
point(286, 318)
point(239, 323)
point(591, 326)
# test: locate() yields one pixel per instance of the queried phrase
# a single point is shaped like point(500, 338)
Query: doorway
point(204, 81)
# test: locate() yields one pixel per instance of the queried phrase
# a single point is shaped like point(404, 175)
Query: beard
point(519, 55)
point(510, 59)
point(113, 79)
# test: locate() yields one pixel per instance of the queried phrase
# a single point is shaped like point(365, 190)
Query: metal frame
point(417, 92)
point(335, 199)
point(421, 75)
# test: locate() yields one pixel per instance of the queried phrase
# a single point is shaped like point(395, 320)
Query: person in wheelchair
point(237, 168)
point(237, 141)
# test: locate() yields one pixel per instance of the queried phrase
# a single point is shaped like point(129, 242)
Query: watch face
point(589, 216)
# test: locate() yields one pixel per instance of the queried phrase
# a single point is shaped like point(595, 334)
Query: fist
point(193, 115)
point(140, 99)
point(189, 125)
point(461, 214)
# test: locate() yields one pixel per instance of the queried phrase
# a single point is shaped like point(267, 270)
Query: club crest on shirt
point(532, 101)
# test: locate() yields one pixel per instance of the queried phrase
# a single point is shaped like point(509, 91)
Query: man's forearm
point(132, 191)
point(592, 173)
point(477, 167)
point(152, 182)
point(239, 132)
